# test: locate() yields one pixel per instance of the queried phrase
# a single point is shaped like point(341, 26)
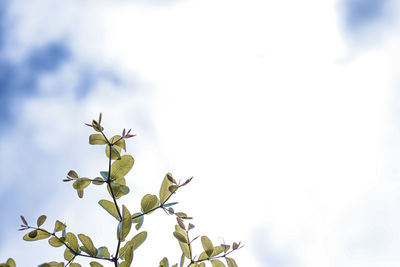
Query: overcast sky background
point(285, 112)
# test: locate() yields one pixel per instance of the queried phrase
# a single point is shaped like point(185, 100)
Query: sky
point(284, 112)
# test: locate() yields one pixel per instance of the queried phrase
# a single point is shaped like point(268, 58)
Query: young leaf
point(81, 183)
point(180, 222)
point(95, 264)
point(73, 174)
point(88, 244)
point(104, 174)
point(80, 193)
point(41, 220)
point(126, 223)
point(138, 220)
point(149, 202)
point(164, 262)
point(121, 167)
point(182, 260)
point(207, 245)
point(120, 143)
point(164, 191)
point(59, 226)
point(10, 263)
point(97, 139)
point(24, 221)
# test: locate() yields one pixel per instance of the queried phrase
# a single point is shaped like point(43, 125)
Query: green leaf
point(182, 260)
point(128, 255)
point(52, 264)
point(115, 152)
point(36, 235)
point(164, 190)
point(172, 188)
point(56, 242)
point(149, 202)
point(68, 255)
point(98, 181)
point(181, 237)
point(185, 249)
point(119, 188)
point(166, 205)
point(104, 174)
point(110, 208)
point(95, 264)
point(81, 183)
point(72, 241)
point(121, 167)
point(75, 265)
point(202, 264)
point(41, 220)
point(217, 263)
point(103, 252)
point(138, 239)
point(207, 245)
point(164, 262)
point(231, 262)
point(59, 226)
point(126, 223)
point(10, 262)
point(138, 220)
point(88, 244)
point(97, 139)
point(120, 143)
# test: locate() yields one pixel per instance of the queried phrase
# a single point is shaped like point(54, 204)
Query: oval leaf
point(103, 252)
point(110, 208)
point(217, 263)
point(36, 235)
point(121, 167)
point(126, 223)
point(41, 220)
point(231, 262)
point(55, 242)
point(120, 143)
point(149, 202)
point(164, 190)
point(59, 226)
point(181, 237)
point(88, 244)
point(95, 264)
point(81, 183)
point(72, 241)
point(97, 139)
point(207, 245)
point(115, 152)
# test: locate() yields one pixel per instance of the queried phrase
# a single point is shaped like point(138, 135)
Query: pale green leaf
point(120, 168)
point(164, 189)
point(138, 239)
point(95, 264)
point(10, 262)
point(115, 152)
point(59, 226)
point(88, 244)
point(149, 202)
point(72, 241)
point(126, 223)
point(97, 139)
point(103, 252)
point(98, 181)
point(120, 143)
point(110, 208)
point(75, 265)
point(81, 183)
point(181, 237)
point(164, 262)
point(207, 245)
point(231, 262)
point(56, 242)
point(217, 263)
point(68, 255)
point(36, 235)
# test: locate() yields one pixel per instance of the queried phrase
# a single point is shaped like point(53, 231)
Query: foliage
point(81, 245)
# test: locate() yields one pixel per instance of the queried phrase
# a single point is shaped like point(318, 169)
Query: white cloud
point(258, 101)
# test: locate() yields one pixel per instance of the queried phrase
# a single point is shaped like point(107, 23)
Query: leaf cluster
point(81, 245)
